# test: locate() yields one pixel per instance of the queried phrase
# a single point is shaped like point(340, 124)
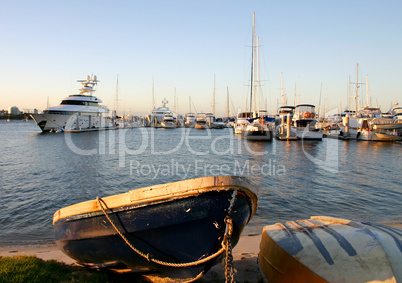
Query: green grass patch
point(20, 269)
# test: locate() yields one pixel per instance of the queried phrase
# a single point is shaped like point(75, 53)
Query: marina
point(167, 176)
point(103, 166)
point(79, 167)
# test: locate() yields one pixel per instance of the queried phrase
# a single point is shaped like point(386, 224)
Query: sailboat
point(257, 128)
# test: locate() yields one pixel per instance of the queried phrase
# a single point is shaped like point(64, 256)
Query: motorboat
point(169, 121)
point(201, 122)
point(257, 130)
point(77, 112)
point(241, 121)
point(327, 249)
point(304, 123)
point(218, 123)
point(189, 120)
point(179, 230)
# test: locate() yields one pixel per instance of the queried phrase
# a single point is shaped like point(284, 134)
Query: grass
point(19, 269)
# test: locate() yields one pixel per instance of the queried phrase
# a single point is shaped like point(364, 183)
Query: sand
point(245, 256)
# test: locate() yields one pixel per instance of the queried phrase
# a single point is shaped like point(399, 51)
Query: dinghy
point(179, 229)
point(326, 249)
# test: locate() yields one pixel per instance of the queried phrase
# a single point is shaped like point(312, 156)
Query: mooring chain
point(229, 266)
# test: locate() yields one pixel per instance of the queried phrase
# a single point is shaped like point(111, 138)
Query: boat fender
point(357, 135)
point(306, 115)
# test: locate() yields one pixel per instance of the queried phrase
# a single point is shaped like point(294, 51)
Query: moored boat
point(257, 131)
point(326, 249)
point(169, 121)
point(77, 112)
point(201, 122)
point(189, 120)
point(304, 123)
point(242, 121)
point(179, 229)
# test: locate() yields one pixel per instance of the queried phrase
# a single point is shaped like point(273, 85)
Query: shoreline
point(245, 255)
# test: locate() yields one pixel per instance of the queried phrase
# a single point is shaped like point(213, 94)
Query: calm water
point(41, 173)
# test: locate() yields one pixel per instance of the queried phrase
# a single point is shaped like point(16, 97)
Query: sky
point(181, 48)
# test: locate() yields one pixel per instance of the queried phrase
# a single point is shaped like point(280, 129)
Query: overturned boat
point(326, 249)
point(179, 229)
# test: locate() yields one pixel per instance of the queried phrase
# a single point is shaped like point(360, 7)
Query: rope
point(226, 245)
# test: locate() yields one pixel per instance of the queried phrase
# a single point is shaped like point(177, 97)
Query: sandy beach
point(245, 256)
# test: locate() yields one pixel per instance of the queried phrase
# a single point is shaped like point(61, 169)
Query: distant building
point(13, 110)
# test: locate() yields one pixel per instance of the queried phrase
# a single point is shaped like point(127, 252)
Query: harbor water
point(41, 173)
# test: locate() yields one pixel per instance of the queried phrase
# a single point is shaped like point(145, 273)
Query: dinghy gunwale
point(163, 193)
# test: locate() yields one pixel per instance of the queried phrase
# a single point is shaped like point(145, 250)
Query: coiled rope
point(226, 244)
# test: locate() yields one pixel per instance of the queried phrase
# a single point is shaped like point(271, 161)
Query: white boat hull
point(56, 122)
point(168, 125)
point(306, 134)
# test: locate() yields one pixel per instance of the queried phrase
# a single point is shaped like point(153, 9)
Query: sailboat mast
point(227, 103)
point(254, 65)
point(213, 99)
point(189, 102)
point(258, 75)
point(357, 85)
point(284, 100)
point(367, 92)
point(153, 97)
point(117, 95)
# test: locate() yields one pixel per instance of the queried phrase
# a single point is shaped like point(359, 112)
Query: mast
point(298, 91)
point(117, 95)
point(175, 101)
point(227, 103)
point(325, 103)
point(258, 76)
point(284, 100)
point(189, 102)
point(254, 65)
point(367, 92)
point(357, 86)
point(153, 97)
point(213, 99)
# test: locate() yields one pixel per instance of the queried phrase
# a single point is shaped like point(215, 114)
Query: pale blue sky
point(47, 45)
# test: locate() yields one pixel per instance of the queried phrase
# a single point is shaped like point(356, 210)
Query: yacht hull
point(56, 122)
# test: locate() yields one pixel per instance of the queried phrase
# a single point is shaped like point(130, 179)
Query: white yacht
point(257, 131)
point(169, 121)
point(219, 124)
point(201, 123)
point(77, 112)
point(241, 121)
point(304, 123)
point(189, 120)
point(157, 115)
